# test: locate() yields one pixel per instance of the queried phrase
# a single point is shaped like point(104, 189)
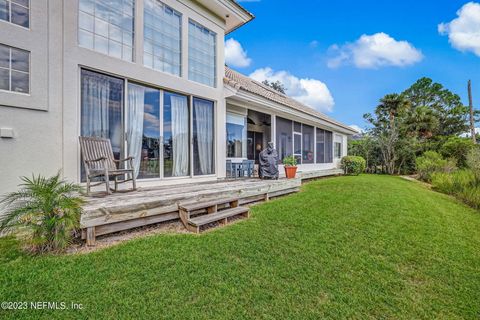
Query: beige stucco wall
point(46, 123)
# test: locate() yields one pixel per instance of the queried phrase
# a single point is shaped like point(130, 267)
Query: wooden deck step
point(203, 205)
point(194, 224)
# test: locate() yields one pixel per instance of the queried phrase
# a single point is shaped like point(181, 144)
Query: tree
point(445, 105)
point(277, 86)
point(388, 122)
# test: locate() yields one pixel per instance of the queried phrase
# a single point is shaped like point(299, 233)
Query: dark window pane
point(19, 15)
point(176, 135)
point(4, 12)
point(328, 147)
point(297, 144)
point(20, 82)
point(4, 79)
point(297, 127)
point(320, 146)
point(4, 56)
point(284, 143)
point(21, 2)
point(338, 150)
point(308, 144)
point(20, 60)
point(203, 137)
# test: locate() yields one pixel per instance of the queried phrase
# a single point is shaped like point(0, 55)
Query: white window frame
point(152, 41)
point(108, 39)
point(10, 69)
point(9, 2)
point(215, 44)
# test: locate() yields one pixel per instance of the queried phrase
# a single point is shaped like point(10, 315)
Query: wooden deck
point(122, 211)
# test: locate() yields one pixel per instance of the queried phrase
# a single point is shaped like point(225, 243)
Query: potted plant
point(290, 164)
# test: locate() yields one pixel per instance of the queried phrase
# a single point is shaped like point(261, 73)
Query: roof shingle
point(240, 81)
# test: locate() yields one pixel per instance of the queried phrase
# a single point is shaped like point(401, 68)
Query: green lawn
point(367, 247)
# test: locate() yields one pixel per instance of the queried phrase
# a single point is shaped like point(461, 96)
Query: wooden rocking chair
point(98, 160)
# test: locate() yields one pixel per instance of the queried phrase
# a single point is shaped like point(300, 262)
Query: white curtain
point(95, 104)
point(204, 125)
point(136, 100)
point(179, 135)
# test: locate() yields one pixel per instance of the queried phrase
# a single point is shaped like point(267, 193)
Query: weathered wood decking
point(121, 211)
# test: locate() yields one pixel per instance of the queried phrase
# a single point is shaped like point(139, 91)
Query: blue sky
point(297, 37)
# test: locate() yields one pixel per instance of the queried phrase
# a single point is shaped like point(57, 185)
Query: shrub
point(471, 196)
point(48, 208)
point(454, 182)
point(353, 165)
point(443, 182)
point(457, 148)
point(431, 162)
point(290, 161)
point(473, 162)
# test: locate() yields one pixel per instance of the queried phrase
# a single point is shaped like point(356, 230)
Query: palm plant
point(48, 208)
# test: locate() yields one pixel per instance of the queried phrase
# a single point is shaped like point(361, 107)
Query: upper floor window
point(107, 27)
point(14, 69)
point(162, 33)
point(201, 54)
point(16, 12)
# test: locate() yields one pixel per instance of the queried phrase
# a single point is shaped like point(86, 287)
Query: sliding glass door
point(143, 130)
point(203, 137)
point(176, 144)
point(102, 108)
point(166, 136)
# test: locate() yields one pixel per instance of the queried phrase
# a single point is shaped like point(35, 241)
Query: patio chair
point(230, 170)
point(246, 168)
point(98, 160)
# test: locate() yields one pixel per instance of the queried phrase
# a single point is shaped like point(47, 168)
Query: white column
point(273, 129)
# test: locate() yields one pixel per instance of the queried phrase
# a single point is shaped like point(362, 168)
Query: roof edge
point(249, 16)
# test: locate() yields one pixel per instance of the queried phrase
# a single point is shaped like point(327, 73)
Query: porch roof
point(242, 82)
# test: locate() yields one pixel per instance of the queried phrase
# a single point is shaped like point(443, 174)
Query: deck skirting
point(122, 211)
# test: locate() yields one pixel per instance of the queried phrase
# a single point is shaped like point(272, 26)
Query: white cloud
point(358, 128)
point(374, 51)
point(464, 31)
point(311, 92)
point(235, 56)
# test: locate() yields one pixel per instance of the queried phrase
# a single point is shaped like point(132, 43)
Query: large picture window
point(236, 136)
point(162, 33)
point(203, 137)
point(152, 125)
point(107, 28)
point(201, 54)
point(14, 69)
point(16, 12)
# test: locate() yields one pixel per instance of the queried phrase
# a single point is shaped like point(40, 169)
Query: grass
point(364, 247)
